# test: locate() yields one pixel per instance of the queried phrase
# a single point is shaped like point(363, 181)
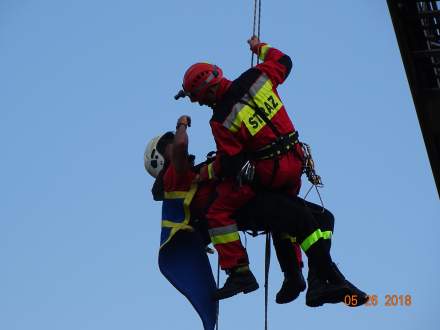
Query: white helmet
point(154, 159)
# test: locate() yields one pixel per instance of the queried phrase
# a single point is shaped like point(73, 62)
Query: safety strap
point(262, 114)
point(283, 145)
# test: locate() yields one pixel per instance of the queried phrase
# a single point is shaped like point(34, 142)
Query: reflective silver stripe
point(208, 80)
point(256, 86)
point(223, 230)
point(203, 84)
point(229, 122)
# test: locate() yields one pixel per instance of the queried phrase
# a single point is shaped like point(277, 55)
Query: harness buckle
point(280, 146)
point(246, 174)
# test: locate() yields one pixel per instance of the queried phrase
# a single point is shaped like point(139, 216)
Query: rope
point(256, 31)
point(266, 279)
point(319, 195)
point(256, 28)
point(259, 24)
point(253, 30)
point(218, 285)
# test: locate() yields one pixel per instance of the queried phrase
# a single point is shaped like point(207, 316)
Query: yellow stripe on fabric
point(263, 52)
point(288, 237)
point(175, 194)
point(184, 225)
point(187, 202)
point(171, 224)
point(311, 239)
point(267, 101)
point(226, 238)
point(233, 121)
point(223, 230)
point(210, 171)
point(174, 230)
point(264, 98)
point(327, 234)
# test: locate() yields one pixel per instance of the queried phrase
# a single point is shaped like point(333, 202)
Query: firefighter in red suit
point(249, 123)
point(166, 158)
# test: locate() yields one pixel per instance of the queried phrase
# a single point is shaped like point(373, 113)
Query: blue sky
point(85, 84)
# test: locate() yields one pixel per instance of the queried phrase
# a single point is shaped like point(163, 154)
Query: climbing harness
point(282, 144)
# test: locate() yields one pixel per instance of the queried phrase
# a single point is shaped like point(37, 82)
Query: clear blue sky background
point(85, 84)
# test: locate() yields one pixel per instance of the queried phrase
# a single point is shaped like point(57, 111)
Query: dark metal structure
point(417, 27)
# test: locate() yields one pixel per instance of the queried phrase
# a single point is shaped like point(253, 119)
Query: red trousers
point(222, 227)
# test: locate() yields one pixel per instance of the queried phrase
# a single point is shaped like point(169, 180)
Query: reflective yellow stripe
point(175, 194)
point(268, 101)
point(288, 237)
point(311, 239)
point(171, 224)
point(234, 120)
point(263, 97)
point(226, 238)
point(210, 171)
point(189, 196)
point(263, 52)
point(223, 230)
point(175, 227)
point(327, 234)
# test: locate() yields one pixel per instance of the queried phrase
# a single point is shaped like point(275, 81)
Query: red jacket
point(182, 182)
point(236, 127)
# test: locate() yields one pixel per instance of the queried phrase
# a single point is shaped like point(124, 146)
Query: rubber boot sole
point(220, 295)
point(332, 294)
point(285, 299)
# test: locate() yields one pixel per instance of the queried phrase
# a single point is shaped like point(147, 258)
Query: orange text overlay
point(389, 300)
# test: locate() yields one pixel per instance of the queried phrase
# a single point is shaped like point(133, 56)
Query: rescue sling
point(176, 213)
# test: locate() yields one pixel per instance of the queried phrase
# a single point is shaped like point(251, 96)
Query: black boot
point(324, 283)
point(361, 297)
point(293, 285)
point(320, 291)
point(238, 281)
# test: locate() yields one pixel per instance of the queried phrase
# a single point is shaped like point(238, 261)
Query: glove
point(183, 120)
point(254, 42)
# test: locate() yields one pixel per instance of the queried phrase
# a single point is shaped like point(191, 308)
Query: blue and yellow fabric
point(176, 213)
point(183, 259)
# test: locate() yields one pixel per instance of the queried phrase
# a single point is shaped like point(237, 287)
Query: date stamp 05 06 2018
point(391, 300)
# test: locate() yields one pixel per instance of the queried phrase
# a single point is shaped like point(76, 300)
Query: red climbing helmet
point(199, 77)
